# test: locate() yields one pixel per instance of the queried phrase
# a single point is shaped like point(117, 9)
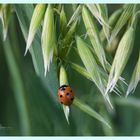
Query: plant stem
point(17, 82)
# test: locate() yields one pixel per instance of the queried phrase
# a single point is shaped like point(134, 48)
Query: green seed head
point(121, 57)
point(93, 34)
point(36, 20)
point(48, 38)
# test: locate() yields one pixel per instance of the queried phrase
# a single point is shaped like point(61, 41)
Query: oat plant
point(94, 48)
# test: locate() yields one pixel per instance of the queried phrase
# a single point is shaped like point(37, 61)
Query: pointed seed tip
point(127, 93)
point(25, 52)
point(4, 35)
point(106, 92)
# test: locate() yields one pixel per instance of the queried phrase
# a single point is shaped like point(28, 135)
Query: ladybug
point(65, 95)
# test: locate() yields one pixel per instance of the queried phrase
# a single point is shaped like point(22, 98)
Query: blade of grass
point(85, 108)
point(18, 86)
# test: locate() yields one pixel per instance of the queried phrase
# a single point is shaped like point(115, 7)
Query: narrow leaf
point(17, 82)
point(37, 17)
point(48, 38)
point(85, 108)
point(135, 78)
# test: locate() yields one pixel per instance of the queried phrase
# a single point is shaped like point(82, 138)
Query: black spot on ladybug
point(61, 102)
point(67, 94)
point(70, 90)
point(72, 99)
point(61, 96)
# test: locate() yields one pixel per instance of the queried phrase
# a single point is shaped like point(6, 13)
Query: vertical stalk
point(18, 87)
point(17, 81)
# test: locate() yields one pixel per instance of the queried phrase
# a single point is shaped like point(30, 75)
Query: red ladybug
point(65, 95)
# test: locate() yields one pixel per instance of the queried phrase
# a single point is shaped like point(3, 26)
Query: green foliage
point(29, 102)
point(135, 78)
point(93, 34)
point(36, 20)
point(123, 19)
point(48, 38)
point(121, 57)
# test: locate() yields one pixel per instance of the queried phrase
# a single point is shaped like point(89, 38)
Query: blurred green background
point(29, 104)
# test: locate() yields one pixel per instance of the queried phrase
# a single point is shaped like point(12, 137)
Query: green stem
point(19, 90)
point(17, 81)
